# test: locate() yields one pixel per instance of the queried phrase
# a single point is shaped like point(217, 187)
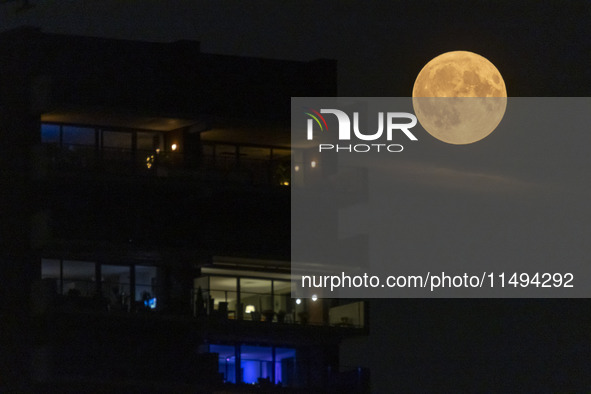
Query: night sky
point(541, 48)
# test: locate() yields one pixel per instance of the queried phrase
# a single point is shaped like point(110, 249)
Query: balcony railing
point(276, 308)
point(80, 159)
point(84, 297)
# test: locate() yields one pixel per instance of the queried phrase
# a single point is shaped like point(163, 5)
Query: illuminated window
point(79, 278)
point(145, 282)
point(256, 292)
point(256, 362)
point(71, 277)
point(268, 299)
point(223, 291)
point(50, 133)
point(115, 285)
point(226, 361)
point(282, 297)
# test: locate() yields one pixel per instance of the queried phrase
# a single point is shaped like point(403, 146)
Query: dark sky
point(542, 48)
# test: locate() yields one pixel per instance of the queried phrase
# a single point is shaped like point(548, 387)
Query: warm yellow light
point(149, 161)
point(173, 146)
point(313, 164)
point(157, 150)
point(285, 183)
point(249, 309)
point(296, 168)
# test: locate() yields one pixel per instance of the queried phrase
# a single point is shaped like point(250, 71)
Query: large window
point(260, 164)
point(71, 277)
point(282, 298)
point(274, 364)
point(78, 277)
point(50, 134)
point(117, 140)
point(116, 285)
point(245, 298)
point(124, 286)
point(256, 296)
point(77, 137)
point(145, 284)
point(222, 291)
point(226, 361)
point(263, 299)
point(149, 141)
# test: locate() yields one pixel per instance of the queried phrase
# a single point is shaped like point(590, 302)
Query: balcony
point(226, 296)
point(82, 298)
point(81, 160)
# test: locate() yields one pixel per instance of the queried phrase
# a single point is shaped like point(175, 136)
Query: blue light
point(256, 362)
point(151, 303)
point(251, 371)
point(50, 133)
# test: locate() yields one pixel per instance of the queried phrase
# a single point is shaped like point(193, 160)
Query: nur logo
point(317, 117)
point(390, 119)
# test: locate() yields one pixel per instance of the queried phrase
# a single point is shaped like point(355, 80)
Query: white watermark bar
point(383, 208)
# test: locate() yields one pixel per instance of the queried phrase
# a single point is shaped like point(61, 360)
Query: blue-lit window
point(226, 361)
point(285, 366)
point(50, 133)
point(256, 362)
point(145, 283)
point(78, 136)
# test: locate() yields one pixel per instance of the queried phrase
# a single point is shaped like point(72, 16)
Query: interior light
point(313, 164)
point(151, 303)
point(296, 168)
point(314, 297)
point(249, 309)
point(285, 183)
point(298, 301)
point(173, 146)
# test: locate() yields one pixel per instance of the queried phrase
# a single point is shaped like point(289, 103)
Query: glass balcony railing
point(78, 295)
point(275, 308)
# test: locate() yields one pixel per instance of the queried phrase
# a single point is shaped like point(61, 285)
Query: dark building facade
point(146, 222)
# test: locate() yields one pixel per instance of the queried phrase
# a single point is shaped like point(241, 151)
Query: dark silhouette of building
point(146, 222)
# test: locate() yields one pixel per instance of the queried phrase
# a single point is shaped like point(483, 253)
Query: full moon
point(459, 97)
